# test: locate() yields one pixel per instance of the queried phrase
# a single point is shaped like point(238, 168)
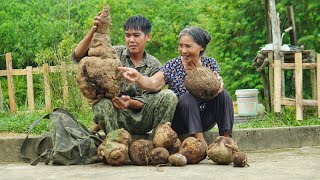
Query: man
point(136, 110)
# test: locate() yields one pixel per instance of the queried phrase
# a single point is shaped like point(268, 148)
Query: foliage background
point(46, 31)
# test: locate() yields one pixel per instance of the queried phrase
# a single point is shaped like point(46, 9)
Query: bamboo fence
point(276, 68)
point(29, 72)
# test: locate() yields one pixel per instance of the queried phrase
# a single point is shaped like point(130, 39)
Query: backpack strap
point(72, 117)
point(39, 158)
point(26, 143)
point(43, 143)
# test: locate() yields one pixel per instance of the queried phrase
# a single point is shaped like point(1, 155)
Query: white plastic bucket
point(247, 100)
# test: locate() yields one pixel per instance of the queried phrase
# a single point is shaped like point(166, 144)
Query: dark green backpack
point(69, 142)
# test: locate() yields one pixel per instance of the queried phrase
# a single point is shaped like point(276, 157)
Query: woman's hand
point(219, 79)
point(131, 74)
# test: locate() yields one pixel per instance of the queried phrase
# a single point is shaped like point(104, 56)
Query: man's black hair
point(138, 23)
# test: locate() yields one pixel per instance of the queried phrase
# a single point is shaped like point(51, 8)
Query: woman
point(191, 116)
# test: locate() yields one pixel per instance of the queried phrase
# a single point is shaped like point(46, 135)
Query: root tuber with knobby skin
point(202, 83)
point(193, 149)
point(114, 149)
point(139, 152)
point(97, 74)
point(222, 149)
point(219, 153)
point(115, 153)
point(159, 155)
point(165, 136)
point(121, 136)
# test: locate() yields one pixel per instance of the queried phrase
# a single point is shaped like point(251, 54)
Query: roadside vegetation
point(286, 118)
point(20, 122)
point(38, 32)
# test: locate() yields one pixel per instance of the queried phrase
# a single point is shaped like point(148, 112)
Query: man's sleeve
point(147, 96)
point(74, 59)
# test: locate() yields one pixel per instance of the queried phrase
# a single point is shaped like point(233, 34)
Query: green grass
point(285, 119)
point(20, 122)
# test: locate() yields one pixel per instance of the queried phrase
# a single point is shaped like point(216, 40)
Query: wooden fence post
point(276, 41)
point(268, 21)
point(47, 91)
point(12, 99)
point(271, 78)
point(298, 82)
point(293, 35)
point(1, 98)
point(313, 76)
point(65, 85)
point(318, 83)
point(30, 88)
point(277, 86)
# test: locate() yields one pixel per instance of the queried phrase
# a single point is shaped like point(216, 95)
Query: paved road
point(301, 163)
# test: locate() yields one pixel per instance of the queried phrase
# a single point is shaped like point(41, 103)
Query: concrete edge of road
point(247, 139)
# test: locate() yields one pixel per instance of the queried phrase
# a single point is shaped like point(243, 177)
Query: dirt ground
point(300, 163)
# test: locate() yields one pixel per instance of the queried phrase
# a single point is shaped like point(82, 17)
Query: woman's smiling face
point(189, 50)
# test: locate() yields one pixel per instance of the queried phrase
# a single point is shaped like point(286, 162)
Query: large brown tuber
point(202, 83)
point(140, 151)
point(159, 155)
point(193, 149)
point(114, 149)
point(221, 151)
point(165, 136)
point(97, 73)
point(115, 153)
point(121, 136)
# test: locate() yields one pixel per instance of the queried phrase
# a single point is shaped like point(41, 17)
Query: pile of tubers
point(162, 150)
point(224, 150)
point(166, 149)
point(97, 74)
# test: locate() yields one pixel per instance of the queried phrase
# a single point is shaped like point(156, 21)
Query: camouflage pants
point(159, 110)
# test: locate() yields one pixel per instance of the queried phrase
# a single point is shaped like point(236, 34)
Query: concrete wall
point(247, 140)
point(10, 148)
point(273, 138)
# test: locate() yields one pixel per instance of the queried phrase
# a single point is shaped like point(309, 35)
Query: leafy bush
point(47, 31)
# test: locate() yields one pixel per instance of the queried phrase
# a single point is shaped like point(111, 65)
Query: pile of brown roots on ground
point(97, 74)
point(166, 149)
point(224, 151)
